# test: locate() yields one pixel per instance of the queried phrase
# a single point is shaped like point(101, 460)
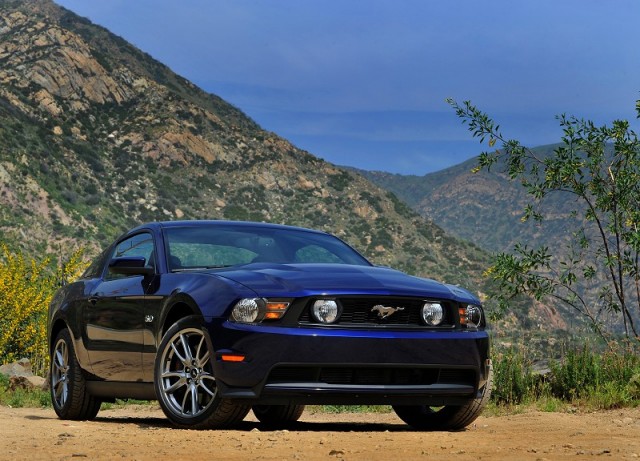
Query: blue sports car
point(215, 318)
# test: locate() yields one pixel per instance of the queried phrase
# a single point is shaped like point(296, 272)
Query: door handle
point(93, 300)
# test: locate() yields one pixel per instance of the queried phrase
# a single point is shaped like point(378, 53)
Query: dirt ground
point(142, 433)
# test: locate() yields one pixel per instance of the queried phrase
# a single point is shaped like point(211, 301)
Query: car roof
point(218, 223)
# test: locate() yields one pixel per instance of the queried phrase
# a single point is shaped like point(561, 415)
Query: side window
point(138, 245)
point(95, 268)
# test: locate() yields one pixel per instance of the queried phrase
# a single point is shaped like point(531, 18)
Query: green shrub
point(4, 382)
point(22, 397)
point(514, 382)
point(575, 375)
point(585, 376)
point(602, 380)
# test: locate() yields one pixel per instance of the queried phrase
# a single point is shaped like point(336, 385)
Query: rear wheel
point(68, 390)
point(184, 380)
point(278, 416)
point(446, 418)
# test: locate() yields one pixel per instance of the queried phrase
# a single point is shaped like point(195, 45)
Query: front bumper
point(338, 366)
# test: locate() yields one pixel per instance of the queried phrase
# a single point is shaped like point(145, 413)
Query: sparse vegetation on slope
point(96, 136)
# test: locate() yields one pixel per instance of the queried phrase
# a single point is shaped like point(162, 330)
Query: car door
point(114, 315)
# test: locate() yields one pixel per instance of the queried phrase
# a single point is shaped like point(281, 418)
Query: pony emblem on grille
point(385, 311)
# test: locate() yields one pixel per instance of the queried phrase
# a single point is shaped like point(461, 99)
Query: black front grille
point(362, 311)
point(398, 376)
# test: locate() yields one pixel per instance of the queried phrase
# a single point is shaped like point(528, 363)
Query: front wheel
point(448, 417)
point(68, 390)
point(184, 381)
point(278, 416)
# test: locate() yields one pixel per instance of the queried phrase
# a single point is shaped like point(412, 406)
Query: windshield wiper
point(199, 268)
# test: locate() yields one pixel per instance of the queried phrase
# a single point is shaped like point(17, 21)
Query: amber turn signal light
point(232, 358)
point(275, 310)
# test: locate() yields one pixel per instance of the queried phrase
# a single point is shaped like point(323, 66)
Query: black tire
point(446, 418)
point(184, 381)
point(278, 416)
point(67, 385)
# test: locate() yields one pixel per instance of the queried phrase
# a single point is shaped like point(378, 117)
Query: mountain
point(96, 136)
point(485, 208)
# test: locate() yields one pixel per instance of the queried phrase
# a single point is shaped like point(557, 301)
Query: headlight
point(255, 310)
point(432, 314)
point(471, 316)
point(325, 311)
point(248, 310)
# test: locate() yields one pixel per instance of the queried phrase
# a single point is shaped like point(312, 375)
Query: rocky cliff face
point(59, 64)
point(95, 136)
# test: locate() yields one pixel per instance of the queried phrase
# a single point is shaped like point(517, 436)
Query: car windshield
point(195, 247)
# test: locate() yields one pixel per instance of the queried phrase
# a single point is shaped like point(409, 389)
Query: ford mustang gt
point(214, 319)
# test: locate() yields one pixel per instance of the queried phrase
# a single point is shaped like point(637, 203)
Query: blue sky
point(364, 83)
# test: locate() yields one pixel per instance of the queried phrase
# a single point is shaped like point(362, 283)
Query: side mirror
point(130, 265)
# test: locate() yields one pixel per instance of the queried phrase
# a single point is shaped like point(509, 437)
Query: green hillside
point(96, 136)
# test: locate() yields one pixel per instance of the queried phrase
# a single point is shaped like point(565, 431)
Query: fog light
point(325, 311)
point(471, 316)
point(248, 310)
point(432, 314)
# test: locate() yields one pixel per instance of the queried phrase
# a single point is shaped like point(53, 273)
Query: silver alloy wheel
point(186, 383)
point(60, 373)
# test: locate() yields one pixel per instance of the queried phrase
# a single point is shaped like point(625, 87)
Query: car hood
point(298, 280)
